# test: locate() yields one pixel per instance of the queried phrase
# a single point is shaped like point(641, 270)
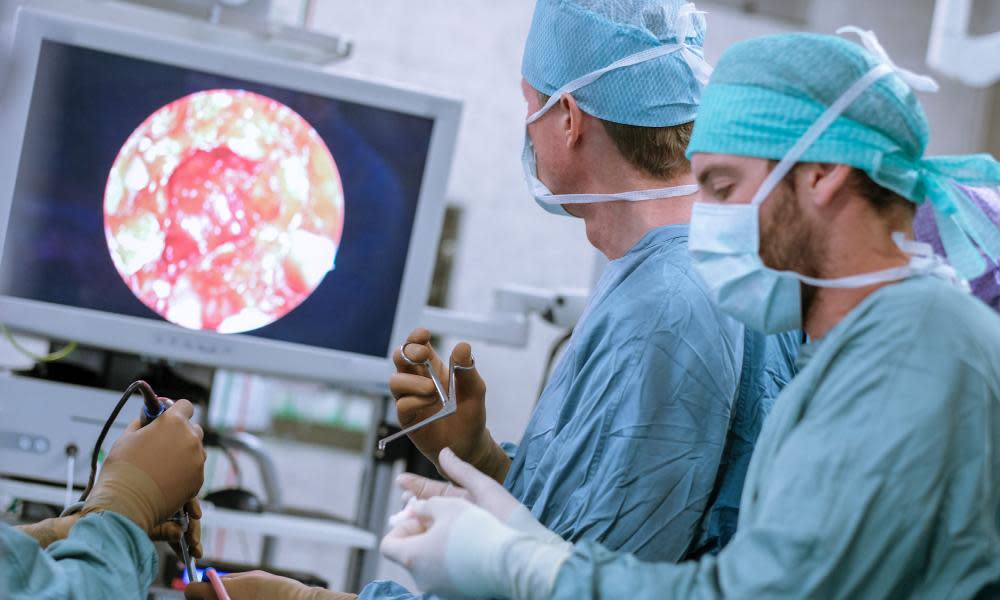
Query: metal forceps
point(185, 522)
point(449, 404)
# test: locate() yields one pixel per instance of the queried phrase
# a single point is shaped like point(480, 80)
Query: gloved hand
point(151, 472)
point(416, 399)
point(261, 585)
point(478, 489)
point(457, 550)
point(52, 530)
point(170, 531)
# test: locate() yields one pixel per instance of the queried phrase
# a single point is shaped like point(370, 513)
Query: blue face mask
point(725, 245)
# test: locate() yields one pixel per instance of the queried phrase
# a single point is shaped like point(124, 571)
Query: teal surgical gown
point(105, 556)
point(877, 474)
point(642, 437)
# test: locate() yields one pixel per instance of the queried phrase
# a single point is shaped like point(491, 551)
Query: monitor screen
point(212, 202)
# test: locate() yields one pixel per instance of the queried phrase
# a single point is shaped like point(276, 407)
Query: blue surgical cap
point(571, 38)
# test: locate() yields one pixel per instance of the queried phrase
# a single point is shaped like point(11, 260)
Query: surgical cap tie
point(921, 83)
point(959, 221)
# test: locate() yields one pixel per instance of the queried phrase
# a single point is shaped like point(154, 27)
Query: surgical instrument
point(449, 402)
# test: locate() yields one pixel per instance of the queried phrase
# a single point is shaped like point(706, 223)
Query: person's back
point(654, 464)
point(875, 473)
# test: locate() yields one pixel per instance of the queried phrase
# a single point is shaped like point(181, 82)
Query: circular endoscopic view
point(223, 211)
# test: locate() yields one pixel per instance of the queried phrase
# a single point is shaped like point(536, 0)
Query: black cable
point(213, 439)
point(553, 353)
point(149, 397)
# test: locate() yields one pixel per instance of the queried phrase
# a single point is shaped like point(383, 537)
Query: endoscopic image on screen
point(211, 202)
point(223, 211)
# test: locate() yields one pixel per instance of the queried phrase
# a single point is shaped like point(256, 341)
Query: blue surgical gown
point(105, 556)
point(642, 437)
point(876, 475)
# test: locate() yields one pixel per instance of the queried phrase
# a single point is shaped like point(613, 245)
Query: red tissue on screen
point(223, 211)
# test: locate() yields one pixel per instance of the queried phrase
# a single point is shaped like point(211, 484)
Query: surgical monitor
point(172, 198)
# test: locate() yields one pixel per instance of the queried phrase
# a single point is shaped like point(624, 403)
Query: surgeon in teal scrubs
point(106, 551)
point(875, 476)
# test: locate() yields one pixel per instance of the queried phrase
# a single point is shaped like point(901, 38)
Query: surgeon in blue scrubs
point(642, 436)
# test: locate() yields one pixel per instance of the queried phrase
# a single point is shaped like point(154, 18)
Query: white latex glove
point(479, 489)
point(457, 550)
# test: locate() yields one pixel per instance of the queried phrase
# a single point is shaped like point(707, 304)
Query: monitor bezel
point(166, 43)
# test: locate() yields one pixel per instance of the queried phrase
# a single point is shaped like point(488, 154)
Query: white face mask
point(725, 240)
point(553, 203)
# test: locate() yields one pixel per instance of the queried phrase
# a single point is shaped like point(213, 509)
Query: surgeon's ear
point(573, 123)
point(823, 184)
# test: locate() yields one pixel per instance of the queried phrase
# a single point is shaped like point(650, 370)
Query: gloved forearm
point(457, 550)
point(316, 593)
point(494, 462)
point(49, 531)
point(129, 491)
point(530, 566)
point(261, 585)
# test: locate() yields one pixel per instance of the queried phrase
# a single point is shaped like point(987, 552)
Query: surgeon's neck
point(856, 246)
point(614, 228)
